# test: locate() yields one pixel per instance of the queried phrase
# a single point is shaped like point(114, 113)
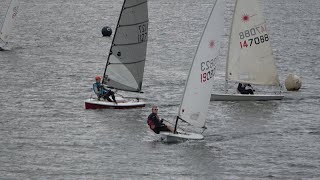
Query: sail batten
point(125, 65)
point(133, 24)
point(194, 105)
point(127, 44)
point(135, 5)
point(250, 57)
point(130, 62)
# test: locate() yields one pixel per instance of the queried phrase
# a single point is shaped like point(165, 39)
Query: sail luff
point(194, 104)
point(226, 69)
point(110, 52)
point(8, 22)
point(126, 60)
point(194, 57)
point(250, 57)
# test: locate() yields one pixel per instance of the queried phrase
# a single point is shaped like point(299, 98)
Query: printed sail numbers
point(207, 70)
point(142, 33)
point(15, 12)
point(253, 36)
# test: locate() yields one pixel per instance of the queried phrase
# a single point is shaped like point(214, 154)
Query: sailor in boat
point(103, 92)
point(245, 88)
point(156, 124)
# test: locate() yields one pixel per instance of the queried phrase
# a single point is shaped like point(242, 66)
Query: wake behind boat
point(250, 58)
point(126, 59)
point(194, 104)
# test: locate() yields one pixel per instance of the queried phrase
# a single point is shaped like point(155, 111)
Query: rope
point(173, 124)
point(204, 128)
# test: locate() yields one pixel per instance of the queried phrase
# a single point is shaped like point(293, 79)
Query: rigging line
point(183, 129)
point(204, 128)
point(134, 5)
point(110, 87)
point(119, 94)
point(115, 33)
point(184, 121)
point(133, 24)
point(136, 62)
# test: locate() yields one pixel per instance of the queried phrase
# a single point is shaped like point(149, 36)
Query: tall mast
point(112, 44)
point(184, 93)
point(226, 74)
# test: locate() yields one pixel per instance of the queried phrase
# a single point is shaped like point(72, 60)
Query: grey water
point(56, 51)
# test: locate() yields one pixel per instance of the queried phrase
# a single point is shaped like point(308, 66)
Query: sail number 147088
point(254, 36)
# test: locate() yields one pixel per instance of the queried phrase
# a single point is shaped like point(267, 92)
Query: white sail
point(126, 60)
point(9, 20)
point(195, 101)
point(250, 58)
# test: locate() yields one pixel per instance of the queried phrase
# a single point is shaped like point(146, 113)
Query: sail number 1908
point(207, 70)
point(142, 33)
point(15, 12)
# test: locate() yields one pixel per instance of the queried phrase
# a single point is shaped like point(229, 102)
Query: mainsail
point(127, 56)
point(10, 17)
point(196, 97)
point(250, 58)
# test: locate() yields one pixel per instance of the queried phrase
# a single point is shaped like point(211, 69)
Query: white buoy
point(293, 82)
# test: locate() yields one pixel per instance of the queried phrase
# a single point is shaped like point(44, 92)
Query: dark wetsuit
point(158, 125)
point(242, 89)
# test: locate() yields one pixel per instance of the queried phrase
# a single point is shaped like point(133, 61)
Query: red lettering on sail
point(212, 44)
point(245, 18)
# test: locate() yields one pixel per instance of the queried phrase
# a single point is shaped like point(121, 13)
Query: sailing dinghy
point(126, 59)
point(250, 58)
point(8, 23)
point(194, 105)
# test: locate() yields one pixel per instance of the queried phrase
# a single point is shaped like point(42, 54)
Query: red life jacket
point(150, 123)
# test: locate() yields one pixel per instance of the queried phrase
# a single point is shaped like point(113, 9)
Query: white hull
point(182, 136)
point(122, 103)
point(245, 97)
